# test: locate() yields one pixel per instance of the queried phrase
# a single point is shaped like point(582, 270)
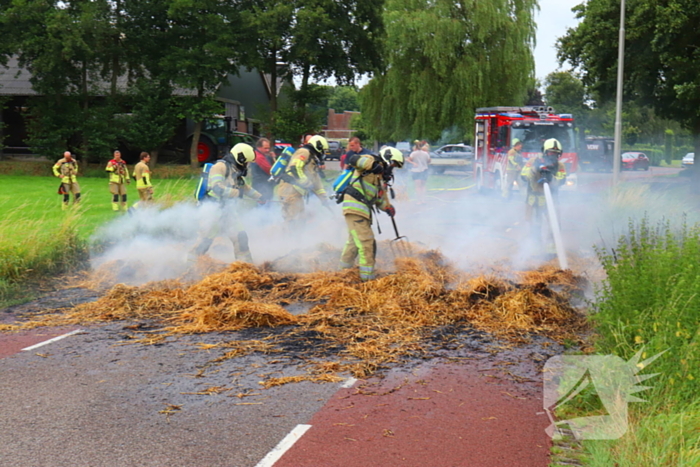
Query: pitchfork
point(400, 246)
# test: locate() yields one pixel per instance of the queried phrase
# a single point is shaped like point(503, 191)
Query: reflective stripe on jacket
point(142, 174)
point(370, 186)
point(68, 171)
point(303, 167)
point(118, 171)
point(225, 183)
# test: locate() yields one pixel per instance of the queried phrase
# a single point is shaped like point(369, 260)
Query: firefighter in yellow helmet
point(514, 165)
point(67, 170)
point(301, 177)
point(538, 170)
point(118, 179)
point(367, 189)
point(227, 184)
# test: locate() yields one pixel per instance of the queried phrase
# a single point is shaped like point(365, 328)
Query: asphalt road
point(96, 399)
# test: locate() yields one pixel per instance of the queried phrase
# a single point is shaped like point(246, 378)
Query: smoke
point(478, 233)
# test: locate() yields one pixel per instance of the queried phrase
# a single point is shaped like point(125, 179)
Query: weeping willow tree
point(445, 58)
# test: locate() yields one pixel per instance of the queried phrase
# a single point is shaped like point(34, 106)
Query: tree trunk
point(273, 82)
point(154, 157)
point(194, 161)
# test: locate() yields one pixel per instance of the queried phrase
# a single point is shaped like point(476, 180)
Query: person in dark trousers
point(260, 170)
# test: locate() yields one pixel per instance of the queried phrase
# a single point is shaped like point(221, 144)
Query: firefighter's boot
point(115, 207)
point(64, 206)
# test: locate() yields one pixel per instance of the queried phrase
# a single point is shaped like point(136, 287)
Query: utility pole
point(618, 107)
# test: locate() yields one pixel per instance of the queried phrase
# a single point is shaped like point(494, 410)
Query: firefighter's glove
point(391, 210)
point(128, 181)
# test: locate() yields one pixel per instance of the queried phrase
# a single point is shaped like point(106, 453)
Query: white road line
point(283, 446)
point(36, 346)
point(348, 383)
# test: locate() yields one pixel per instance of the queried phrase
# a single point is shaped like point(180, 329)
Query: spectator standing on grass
point(67, 170)
point(420, 160)
point(260, 170)
point(118, 180)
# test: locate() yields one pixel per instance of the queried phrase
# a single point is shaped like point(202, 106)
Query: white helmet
point(390, 155)
point(243, 153)
point(320, 144)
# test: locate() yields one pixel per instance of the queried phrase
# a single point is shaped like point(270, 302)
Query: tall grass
point(45, 249)
point(650, 302)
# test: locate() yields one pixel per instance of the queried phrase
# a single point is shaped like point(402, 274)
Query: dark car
point(635, 161)
point(451, 157)
point(336, 150)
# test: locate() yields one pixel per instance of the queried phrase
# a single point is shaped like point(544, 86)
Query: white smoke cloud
point(475, 232)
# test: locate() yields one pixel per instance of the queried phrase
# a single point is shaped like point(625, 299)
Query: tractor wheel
point(206, 150)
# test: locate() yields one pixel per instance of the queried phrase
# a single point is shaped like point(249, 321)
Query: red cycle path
point(11, 344)
point(444, 415)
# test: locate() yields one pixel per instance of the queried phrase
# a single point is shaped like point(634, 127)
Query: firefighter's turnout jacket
point(300, 178)
point(68, 171)
point(531, 172)
point(366, 190)
point(226, 181)
point(142, 174)
point(303, 168)
point(118, 171)
point(515, 161)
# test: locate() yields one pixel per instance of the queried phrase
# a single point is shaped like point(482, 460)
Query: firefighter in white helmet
point(226, 185)
point(368, 189)
point(538, 170)
point(302, 177)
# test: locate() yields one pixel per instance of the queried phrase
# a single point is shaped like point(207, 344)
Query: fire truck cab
point(497, 127)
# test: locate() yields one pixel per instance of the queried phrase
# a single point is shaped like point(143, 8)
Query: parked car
point(451, 156)
point(635, 161)
point(336, 150)
point(688, 160)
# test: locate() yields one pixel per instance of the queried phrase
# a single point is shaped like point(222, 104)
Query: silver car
point(451, 156)
point(688, 160)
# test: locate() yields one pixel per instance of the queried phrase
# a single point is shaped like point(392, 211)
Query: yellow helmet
point(243, 153)
point(551, 145)
point(320, 144)
point(516, 141)
point(390, 155)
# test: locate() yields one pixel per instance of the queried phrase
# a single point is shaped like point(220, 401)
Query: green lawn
point(34, 199)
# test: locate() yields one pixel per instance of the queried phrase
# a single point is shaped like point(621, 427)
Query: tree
point(662, 55)
point(344, 98)
point(204, 48)
point(153, 117)
point(69, 49)
point(565, 92)
point(446, 58)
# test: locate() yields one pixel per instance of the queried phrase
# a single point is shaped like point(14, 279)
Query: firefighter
point(301, 177)
point(118, 179)
point(514, 167)
point(366, 191)
point(227, 183)
point(541, 169)
point(67, 170)
point(142, 175)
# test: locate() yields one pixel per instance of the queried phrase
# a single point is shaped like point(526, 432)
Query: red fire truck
point(497, 127)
